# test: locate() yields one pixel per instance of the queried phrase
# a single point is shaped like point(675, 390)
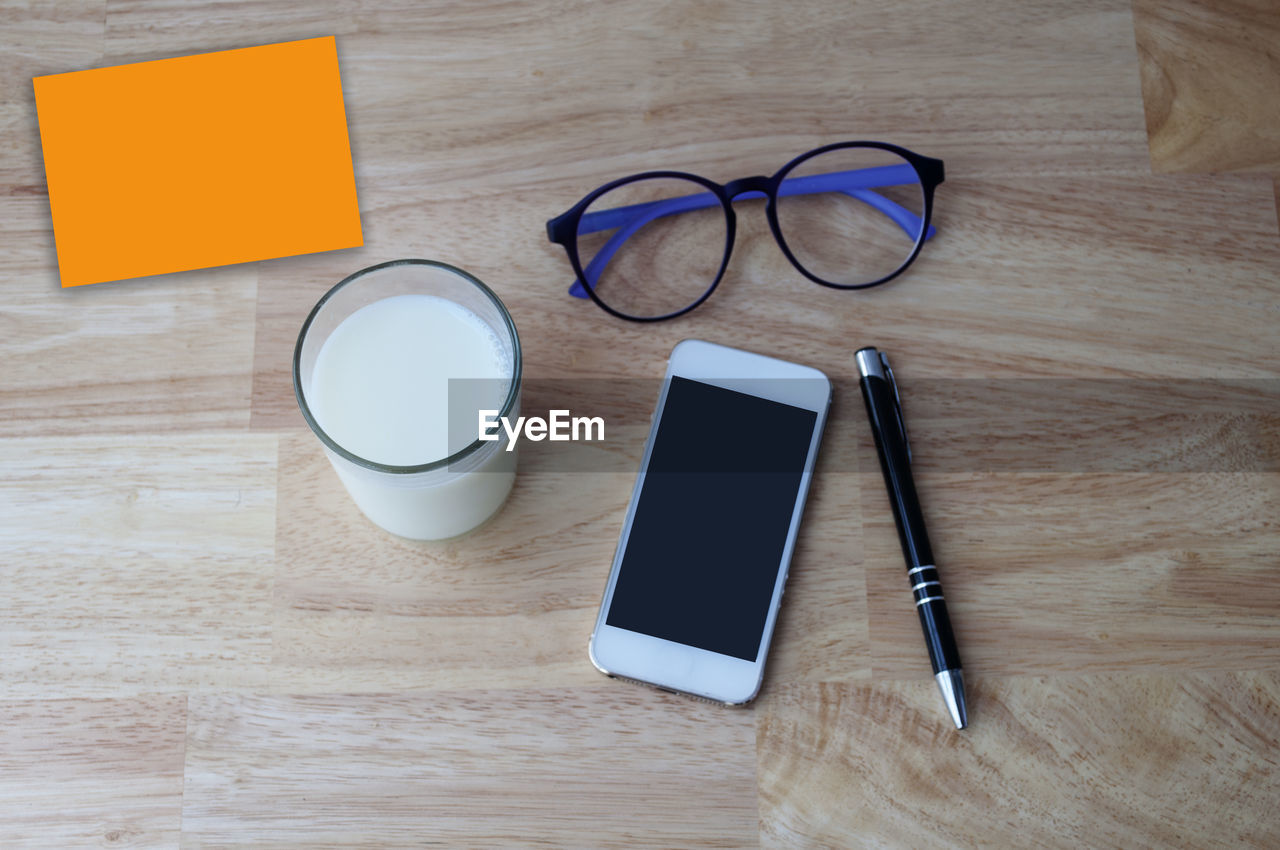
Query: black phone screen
point(711, 519)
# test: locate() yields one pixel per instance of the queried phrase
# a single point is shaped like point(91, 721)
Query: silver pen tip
point(951, 683)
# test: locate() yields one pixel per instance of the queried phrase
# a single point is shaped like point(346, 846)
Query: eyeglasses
point(849, 215)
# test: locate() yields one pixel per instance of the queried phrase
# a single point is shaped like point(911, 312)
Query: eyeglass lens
point(851, 216)
point(653, 247)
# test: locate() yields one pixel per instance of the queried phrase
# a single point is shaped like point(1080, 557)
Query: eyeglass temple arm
point(854, 183)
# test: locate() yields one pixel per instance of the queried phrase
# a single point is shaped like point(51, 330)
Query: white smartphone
point(702, 561)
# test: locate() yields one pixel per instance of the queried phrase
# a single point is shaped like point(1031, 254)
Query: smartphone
point(702, 561)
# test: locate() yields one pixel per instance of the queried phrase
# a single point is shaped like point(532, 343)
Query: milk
point(380, 389)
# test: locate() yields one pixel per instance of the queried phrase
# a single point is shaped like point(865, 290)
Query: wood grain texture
point(136, 565)
point(603, 767)
point(171, 353)
point(533, 93)
point(92, 772)
point(141, 30)
point(1047, 762)
point(1087, 360)
point(1211, 83)
point(1130, 594)
point(46, 39)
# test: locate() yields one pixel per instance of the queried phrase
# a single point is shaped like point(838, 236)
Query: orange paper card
point(198, 161)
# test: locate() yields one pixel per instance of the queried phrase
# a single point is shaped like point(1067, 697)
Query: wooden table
point(204, 644)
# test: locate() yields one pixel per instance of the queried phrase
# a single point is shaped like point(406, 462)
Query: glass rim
point(513, 391)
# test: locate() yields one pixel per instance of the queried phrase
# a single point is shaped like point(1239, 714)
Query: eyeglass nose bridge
point(758, 184)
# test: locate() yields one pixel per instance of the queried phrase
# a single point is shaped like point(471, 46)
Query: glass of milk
point(391, 370)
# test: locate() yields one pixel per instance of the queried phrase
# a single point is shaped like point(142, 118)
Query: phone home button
point(677, 662)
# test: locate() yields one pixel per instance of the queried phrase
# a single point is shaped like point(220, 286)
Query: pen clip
point(897, 402)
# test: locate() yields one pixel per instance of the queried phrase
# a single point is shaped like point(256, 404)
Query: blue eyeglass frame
point(565, 228)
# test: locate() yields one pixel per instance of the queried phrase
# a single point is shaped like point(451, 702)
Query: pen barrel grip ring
point(924, 583)
point(934, 618)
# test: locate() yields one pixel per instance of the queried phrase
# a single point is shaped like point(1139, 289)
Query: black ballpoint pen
point(884, 409)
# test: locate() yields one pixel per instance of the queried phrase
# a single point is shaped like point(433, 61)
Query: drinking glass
point(443, 496)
